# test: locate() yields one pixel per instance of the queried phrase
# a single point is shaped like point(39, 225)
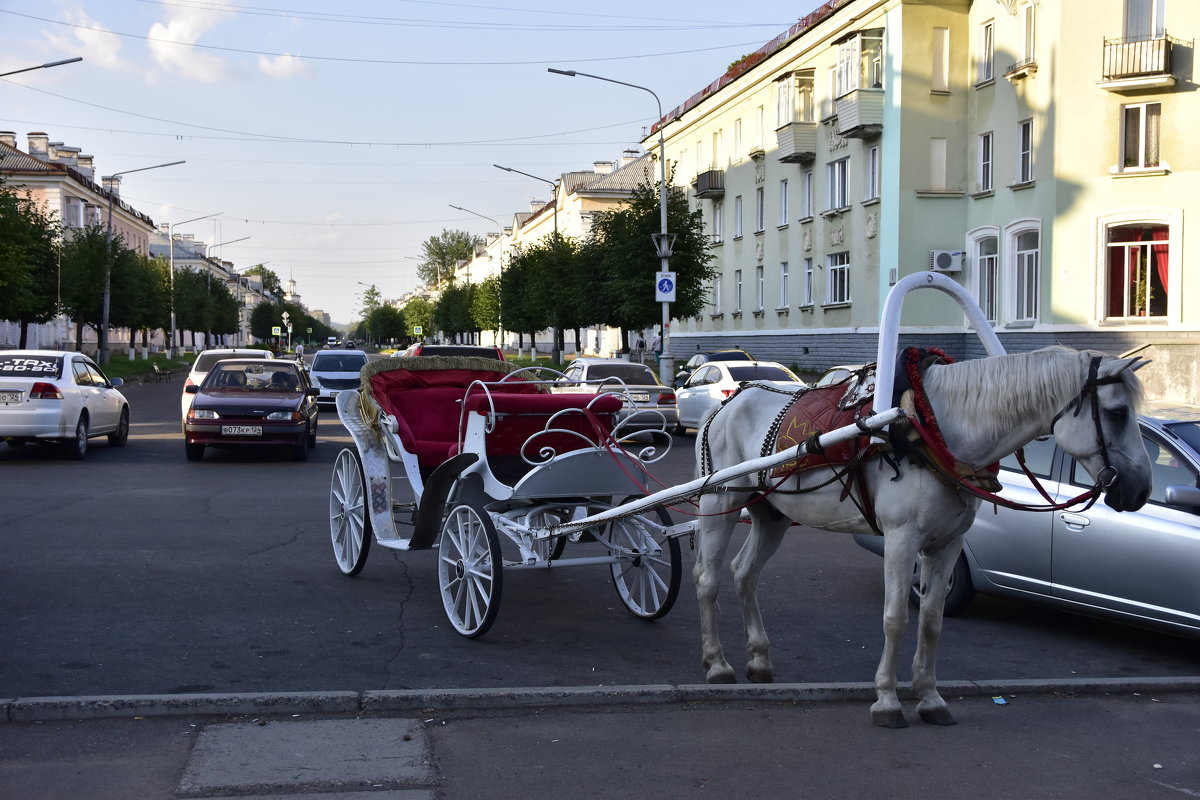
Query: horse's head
point(1099, 429)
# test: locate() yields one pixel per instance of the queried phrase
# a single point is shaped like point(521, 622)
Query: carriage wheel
point(547, 549)
point(470, 570)
point(648, 583)
point(349, 523)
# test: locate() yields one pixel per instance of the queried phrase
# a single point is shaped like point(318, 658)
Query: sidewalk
point(1062, 739)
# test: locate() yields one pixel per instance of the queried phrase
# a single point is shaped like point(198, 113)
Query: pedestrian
point(657, 345)
point(300, 351)
point(641, 344)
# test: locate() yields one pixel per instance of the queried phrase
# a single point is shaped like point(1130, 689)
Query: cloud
point(187, 25)
point(284, 66)
point(99, 48)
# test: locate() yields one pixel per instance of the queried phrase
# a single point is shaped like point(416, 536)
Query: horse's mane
point(1001, 392)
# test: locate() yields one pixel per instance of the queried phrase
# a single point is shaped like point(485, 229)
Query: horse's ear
point(1121, 364)
point(1139, 363)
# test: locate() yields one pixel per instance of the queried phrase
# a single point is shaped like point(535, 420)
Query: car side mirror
point(113, 383)
point(313, 392)
point(1185, 496)
point(192, 389)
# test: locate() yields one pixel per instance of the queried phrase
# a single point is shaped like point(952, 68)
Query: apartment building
point(1034, 150)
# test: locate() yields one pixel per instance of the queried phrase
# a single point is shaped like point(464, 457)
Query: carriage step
point(398, 506)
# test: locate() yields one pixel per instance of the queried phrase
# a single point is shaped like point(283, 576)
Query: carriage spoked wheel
point(349, 522)
point(470, 570)
point(547, 549)
point(647, 583)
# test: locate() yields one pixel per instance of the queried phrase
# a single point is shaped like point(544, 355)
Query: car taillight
point(666, 398)
point(727, 392)
point(187, 382)
point(45, 391)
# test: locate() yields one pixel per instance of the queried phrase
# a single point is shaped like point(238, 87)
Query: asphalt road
point(135, 572)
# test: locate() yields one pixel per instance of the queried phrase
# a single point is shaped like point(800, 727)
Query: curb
point(60, 709)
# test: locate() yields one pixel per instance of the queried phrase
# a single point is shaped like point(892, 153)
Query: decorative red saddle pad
point(817, 412)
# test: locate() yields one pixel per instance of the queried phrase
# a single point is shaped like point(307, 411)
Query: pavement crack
point(400, 632)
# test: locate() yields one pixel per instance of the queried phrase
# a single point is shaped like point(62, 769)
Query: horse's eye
point(1117, 415)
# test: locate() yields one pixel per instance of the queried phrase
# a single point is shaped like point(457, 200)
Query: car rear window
point(761, 374)
point(205, 361)
point(460, 350)
point(30, 366)
point(629, 373)
point(730, 355)
point(327, 363)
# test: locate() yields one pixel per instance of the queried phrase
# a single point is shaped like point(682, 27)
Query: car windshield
point(761, 373)
point(205, 361)
point(253, 377)
point(1188, 431)
point(630, 374)
point(459, 350)
point(26, 366)
point(338, 363)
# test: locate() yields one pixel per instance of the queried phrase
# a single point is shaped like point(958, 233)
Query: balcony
point(797, 142)
point(1021, 69)
point(710, 184)
point(860, 113)
point(1138, 63)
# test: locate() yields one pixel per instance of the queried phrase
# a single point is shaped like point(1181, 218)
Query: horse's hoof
point(937, 716)
point(726, 675)
point(760, 675)
point(893, 718)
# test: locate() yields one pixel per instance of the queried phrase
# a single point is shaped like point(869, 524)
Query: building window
point(718, 148)
point(806, 199)
point(1028, 32)
point(760, 116)
point(718, 226)
point(760, 289)
point(737, 138)
point(837, 279)
point(1139, 136)
point(701, 164)
point(783, 202)
point(760, 210)
point(1026, 274)
point(794, 99)
point(837, 175)
point(984, 178)
point(807, 289)
point(783, 284)
point(1144, 19)
point(737, 291)
point(871, 189)
point(714, 296)
point(941, 60)
point(737, 217)
point(987, 266)
point(859, 63)
point(1138, 260)
point(1025, 151)
point(987, 52)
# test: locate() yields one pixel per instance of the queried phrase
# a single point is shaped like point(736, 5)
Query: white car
point(648, 404)
point(333, 371)
point(204, 362)
point(63, 397)
point(714, 381)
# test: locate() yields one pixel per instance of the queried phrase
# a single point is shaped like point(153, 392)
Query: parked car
point(333, 371)
point(48, 396)
point(648, 403)
point(1137, 567)
point(697, 359)
point(252, 402)
point(836, 374)
point(204, 362)
point(715, 381)
point(479, 351)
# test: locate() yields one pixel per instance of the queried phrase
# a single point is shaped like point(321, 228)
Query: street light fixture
point(663, 241)
point(103, 343)
point(171, 251)
point(43, 66)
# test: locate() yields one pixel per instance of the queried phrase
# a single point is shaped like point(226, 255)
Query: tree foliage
point(418, 312)
point(270, 281)
point(485, 305)
point(440, 254)
point(452, 314)
point(29, 248)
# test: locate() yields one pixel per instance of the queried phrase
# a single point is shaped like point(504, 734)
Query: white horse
point(986, 409)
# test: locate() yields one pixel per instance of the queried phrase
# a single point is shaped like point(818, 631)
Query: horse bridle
point(1108, 475)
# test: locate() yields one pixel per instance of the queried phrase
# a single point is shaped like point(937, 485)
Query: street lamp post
point(499, 310)
point(43, 66)
point(103, 343)
point(663, 241)
point(556, 353)
point(171, 251)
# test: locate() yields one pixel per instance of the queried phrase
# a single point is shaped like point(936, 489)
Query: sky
point(331, 139)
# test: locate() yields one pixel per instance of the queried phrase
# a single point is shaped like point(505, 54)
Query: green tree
point(262, 317)
point(83, 262)
point(485, 305)
point(452, 314)
point(440, 254)
point(270, 281)
point(518, 292)
point(386, 324)
point(29, 250)
point(371, 300)
point(418, 312)
point(621, 257)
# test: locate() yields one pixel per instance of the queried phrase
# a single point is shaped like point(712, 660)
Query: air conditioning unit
point(946, 260)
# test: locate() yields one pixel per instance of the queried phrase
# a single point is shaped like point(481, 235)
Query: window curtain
point(1118, 289)
point(1160, 254)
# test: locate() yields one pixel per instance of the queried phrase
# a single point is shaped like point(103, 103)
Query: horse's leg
point(766, 534)
point(899, 554)
point(714, 534)
point(935, 579)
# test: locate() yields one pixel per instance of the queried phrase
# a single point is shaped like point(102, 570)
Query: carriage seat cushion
point(520, 416)
point(505, 402)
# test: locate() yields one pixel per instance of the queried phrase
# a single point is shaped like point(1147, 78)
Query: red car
point(252, 402)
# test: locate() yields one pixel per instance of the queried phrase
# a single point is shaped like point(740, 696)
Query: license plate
point(10, 397)
point(640, 397)
point(241, 430)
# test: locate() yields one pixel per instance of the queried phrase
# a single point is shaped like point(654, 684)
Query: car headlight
point(277, 415)
point(203, 413)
